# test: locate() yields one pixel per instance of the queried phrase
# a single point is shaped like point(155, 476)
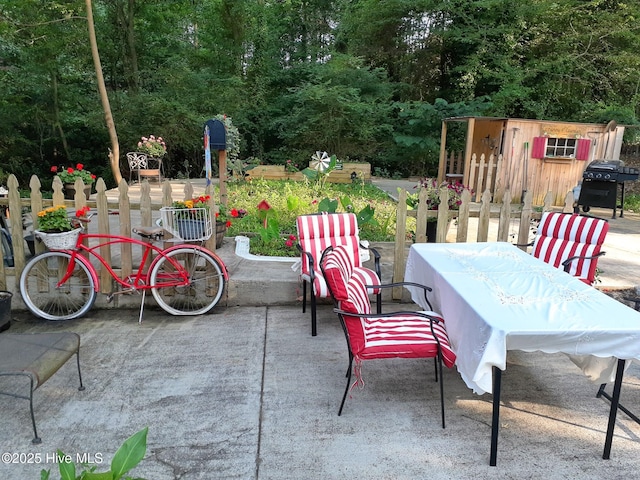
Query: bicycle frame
point(138, 280)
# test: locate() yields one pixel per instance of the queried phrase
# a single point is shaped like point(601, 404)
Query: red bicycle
point(185, 279)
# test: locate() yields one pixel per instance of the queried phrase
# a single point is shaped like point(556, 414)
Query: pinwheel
point(320, 161)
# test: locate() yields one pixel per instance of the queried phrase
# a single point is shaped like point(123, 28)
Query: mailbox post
point(215, 137)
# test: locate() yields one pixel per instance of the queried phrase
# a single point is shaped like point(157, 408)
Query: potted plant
point(68, 177)
point(224, 218)
point(56, 229)
point(433, 188)
point(152, 146)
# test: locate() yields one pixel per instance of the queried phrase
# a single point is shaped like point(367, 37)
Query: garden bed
point(277, 172)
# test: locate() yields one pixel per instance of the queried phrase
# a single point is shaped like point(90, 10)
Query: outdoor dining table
point(495, 297)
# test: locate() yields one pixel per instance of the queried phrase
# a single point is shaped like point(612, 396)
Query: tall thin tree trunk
point(114, 153)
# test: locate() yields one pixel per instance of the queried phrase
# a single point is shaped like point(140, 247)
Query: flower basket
point(60, 241)
point(192, 224)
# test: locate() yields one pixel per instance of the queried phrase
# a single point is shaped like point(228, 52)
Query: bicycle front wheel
point(201, 294)
point(41, 295)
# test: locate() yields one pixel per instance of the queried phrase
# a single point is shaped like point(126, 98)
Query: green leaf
point(44, 474)
point(332, 163)
point(328, 205)
point(98, 476)
point(310, 173)
point(346, 203)
point(366, 215)
point(129, 454)
point(293, 203)
point(67, 469)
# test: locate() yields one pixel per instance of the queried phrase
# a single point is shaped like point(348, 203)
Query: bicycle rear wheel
point(41, 295)
point(206, 282)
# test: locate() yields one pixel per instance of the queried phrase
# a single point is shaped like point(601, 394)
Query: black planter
point(431, 231)
point(5, 309)
point(70, 191)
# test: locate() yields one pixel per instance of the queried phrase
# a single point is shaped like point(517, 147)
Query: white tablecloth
point(494, 297)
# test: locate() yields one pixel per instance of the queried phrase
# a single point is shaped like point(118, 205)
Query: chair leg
point(435, 367)
point(304, 296)
point(81, 387)
point(441, 387)
point(314, 328)
point(379, 302)
point(346, 390)
point(36, 439)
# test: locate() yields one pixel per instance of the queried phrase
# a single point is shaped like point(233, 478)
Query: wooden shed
point(526, 155)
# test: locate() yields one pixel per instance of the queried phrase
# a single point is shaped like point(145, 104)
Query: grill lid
point(605, 165)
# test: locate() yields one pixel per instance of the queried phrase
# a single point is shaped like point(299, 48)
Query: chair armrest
point(376, 258)
point(424, 288)
point(431, 318)
point(567, 263)
point(524, 244)
point(312, 273)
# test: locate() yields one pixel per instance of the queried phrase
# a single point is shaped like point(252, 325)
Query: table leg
point(615, 400)
point(495, 419)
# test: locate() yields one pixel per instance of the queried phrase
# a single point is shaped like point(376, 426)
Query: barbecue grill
point(602, 181)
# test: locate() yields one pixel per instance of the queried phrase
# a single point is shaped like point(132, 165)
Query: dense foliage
point(365, 80)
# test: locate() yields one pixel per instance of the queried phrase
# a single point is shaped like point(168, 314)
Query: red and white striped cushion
point(338, 268)
point(317, 232)
point(403, 335)
point(561, 236)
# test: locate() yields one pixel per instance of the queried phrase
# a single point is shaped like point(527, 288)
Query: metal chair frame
point(45, 354)
point(311, 257)
point(438, 358)
point(140, 163)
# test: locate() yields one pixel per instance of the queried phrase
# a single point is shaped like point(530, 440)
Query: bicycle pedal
point(110, 297)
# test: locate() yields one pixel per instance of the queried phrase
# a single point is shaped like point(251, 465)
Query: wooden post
point(222, 168)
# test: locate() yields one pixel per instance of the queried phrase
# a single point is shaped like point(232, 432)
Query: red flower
point(217, 214)
point(289, 243)
point(79, 166)
point(82, 212)
point(54, 169)
point(234, 213)
point(292, 237)
point(70, 170)
point(264, 205)
point(93, 176)
point(228, 223)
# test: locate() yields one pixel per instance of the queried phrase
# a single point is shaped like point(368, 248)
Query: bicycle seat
point(153, 233)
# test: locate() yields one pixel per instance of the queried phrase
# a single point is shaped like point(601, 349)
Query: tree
point(114, 153)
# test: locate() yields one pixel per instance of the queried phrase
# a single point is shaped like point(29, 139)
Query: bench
point(36, 356)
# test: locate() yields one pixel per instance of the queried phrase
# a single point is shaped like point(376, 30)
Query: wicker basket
point(192, 225)
point(59, 241)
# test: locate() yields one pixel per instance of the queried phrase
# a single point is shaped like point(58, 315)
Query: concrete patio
point(247, 393)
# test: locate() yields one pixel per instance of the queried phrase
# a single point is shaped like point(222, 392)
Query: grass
point(288, 199)
point(632, 202)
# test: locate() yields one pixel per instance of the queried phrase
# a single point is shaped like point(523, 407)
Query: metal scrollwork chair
point(315, 234)
point(144, 166)
point(382, 335)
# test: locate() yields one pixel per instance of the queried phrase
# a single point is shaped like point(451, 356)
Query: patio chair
point(572, 242)
point(144, 166)
point(382, 335)
point(36, 356)
point(315, 234)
